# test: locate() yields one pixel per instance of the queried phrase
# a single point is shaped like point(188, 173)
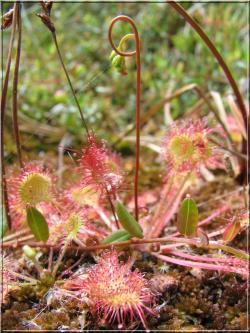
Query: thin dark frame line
point(2, 73)
point(121, 2)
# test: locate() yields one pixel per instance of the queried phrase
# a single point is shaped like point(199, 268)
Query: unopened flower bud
point(47, 6)
point(116, 61)
point(119, 63)
point(47, 21)
point(7, 19)
point(112, 55)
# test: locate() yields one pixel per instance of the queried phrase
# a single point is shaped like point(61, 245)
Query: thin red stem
point(202, 265)
point(137, 52)
point(112, 208)
point(169, 239)
point(15, 86)
point(4, 194)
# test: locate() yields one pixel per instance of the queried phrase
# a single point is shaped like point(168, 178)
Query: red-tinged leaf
point(231, 231)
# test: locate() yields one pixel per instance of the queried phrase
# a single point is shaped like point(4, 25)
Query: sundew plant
point(117, 230)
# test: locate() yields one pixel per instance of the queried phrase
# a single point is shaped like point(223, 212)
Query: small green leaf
point(117, 236)
point(128, 221)
point(188, 216)
point(3, 222)
point(37, 224)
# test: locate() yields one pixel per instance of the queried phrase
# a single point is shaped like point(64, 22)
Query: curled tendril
point(122, 53)
point(128, 36)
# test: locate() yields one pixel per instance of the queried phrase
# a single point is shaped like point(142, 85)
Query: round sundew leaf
point(188, 216)
point(231, 231)
point(37, 223)
point(117, 236)
point(35, 188)
point(128, 221)
point(182, 148)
